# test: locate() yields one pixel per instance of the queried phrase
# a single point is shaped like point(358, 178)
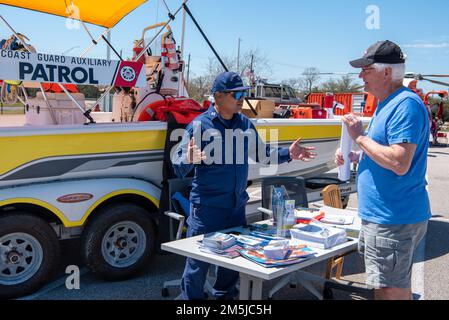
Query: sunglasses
point(237, 95)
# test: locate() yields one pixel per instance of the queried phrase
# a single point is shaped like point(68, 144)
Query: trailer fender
point(74, 201)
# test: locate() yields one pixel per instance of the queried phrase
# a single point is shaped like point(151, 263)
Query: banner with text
point(40, 67)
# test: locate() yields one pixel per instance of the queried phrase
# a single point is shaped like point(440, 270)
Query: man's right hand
point(194, 154)
point(354, 157)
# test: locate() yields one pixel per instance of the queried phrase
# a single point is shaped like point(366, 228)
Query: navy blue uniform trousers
point(203, 220)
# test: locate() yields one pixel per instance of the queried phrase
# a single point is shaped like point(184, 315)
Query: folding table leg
point(257, 289)
point(250, 287)
point(245, 287)
point(306, 279)
point(282, 283)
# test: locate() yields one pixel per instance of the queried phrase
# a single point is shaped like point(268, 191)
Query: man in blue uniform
point(211, 147)
point(393, 200)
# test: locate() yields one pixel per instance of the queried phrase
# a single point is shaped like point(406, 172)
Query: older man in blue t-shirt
point(393, 200)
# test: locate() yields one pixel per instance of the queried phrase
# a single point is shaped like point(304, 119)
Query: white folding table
point(253, 275)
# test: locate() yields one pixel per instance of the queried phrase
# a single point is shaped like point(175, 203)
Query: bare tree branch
point(311, 76)
point(200, 86)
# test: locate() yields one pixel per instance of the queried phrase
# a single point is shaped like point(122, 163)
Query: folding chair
point(332, 198)
point(179, 212)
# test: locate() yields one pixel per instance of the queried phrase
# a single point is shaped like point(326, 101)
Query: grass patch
point(15, 108)
point(14, 105)
point(18, 111)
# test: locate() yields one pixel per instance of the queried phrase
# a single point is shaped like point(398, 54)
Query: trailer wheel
point(119, 242)
point(29, 254)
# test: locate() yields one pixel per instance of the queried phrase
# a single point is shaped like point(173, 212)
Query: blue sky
point(324, 33)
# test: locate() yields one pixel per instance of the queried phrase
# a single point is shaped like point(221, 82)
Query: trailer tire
point(29, 254)
point(119, 242)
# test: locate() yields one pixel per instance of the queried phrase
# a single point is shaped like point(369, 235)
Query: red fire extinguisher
point(329, 104)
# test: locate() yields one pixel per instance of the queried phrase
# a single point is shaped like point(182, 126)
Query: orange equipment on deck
point(347, 100)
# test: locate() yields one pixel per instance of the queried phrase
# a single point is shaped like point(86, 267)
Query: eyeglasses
point(237, 95)
point(367, 69)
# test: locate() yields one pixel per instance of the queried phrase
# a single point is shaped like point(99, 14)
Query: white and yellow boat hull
point(123, 150)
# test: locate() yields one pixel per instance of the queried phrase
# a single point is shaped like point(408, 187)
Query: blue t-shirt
point(385, 197)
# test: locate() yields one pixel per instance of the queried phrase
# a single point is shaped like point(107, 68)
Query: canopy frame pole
point(52, 115)
point(85, 113)
point(183, 33)
point(172, 17)
point(88, 33)
point(113, 49)
point(141, 54)
point(187, 10)
point(25, 95)
point(182, 81)
point(95, 42)
point(94, 45)
point(168, 9)
point(24, 92)
point(184, 16)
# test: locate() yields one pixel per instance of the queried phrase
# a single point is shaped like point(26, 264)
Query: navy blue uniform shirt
point(221, 180)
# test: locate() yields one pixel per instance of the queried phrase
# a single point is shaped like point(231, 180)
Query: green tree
point(90, 92)
point(346, 84)
point(199, 88)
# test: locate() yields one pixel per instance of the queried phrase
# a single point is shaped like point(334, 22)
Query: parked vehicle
point(281, 94)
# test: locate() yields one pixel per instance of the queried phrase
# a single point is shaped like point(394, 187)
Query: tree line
point(253, 67)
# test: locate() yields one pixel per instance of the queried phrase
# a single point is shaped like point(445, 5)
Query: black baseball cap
point(381, 52)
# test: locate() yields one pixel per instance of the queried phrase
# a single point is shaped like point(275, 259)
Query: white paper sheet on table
point(339, 216)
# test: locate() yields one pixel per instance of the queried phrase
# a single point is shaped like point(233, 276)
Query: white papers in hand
point(344, 172)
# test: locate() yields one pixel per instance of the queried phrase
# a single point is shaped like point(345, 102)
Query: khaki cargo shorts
point(389, 251)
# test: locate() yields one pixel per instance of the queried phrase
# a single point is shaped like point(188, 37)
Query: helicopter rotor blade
point(338, 73)
point(436, 75)
point(437, 82)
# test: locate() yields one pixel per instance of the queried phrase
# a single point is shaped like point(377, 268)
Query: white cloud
point(427, 45)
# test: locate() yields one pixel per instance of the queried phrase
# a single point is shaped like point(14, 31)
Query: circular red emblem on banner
point(128, 74)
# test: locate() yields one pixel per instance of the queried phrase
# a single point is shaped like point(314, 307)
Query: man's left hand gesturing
point(297, 152)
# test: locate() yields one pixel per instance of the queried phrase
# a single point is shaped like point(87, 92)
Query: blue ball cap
point(228, 81)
